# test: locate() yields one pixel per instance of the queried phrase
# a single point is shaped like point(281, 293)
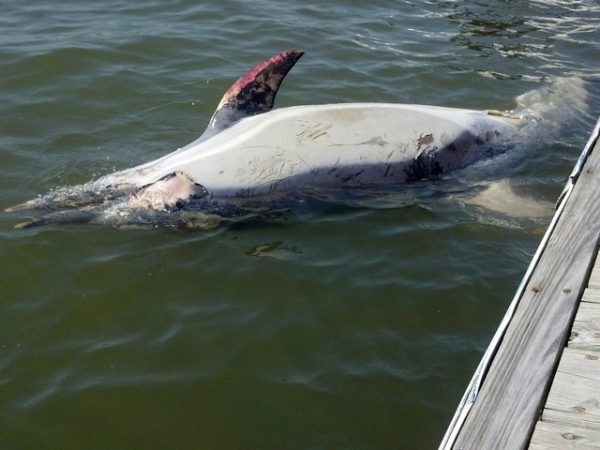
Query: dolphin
point(251, 154)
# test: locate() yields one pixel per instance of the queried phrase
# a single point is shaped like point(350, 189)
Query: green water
point(337, 328)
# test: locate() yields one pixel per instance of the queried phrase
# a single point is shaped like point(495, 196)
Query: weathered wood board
point(575, 394)
point(512, 394)
point(585, 333)
point(591, 295)
point(554, 436)
point(595, 277)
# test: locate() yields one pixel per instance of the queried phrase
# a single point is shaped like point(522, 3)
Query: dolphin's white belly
point(326, 145)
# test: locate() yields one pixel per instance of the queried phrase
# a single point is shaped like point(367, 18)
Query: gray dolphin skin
point(253, 158)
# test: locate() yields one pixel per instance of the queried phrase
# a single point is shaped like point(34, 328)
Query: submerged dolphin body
point(251, 154)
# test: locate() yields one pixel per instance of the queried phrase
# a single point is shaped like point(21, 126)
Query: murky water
point(346, 326)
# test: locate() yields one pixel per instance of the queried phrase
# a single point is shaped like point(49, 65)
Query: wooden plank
point(581, 363)
point(572, 419)
point(505, 412)
point(591, 295)
point(595, 276)
point(554, 436)
point(585, 333)
point(574, 398)
point(572, 415)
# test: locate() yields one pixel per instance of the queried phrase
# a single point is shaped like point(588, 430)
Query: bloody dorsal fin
point(253, 93)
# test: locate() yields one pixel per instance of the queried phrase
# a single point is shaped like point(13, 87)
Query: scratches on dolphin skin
point(335, 167)
point(378, 141)
point(315, 136)
point(387, 169)
point(375, 141)
point(262, 169)
point(312, 133)
point(270, 169)
point(351, 176)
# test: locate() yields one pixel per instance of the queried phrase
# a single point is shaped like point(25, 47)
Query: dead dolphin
point(250, 151)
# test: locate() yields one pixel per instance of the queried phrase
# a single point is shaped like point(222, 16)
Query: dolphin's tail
point(555, 105)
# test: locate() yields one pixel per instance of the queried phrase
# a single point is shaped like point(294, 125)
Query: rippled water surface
point(333, 328)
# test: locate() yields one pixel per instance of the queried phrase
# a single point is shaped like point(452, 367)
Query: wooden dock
point(520, 396)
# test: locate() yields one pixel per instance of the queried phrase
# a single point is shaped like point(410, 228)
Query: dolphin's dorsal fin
point(253, 93)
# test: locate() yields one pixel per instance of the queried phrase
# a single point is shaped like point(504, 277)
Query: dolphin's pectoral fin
point(253, 93)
